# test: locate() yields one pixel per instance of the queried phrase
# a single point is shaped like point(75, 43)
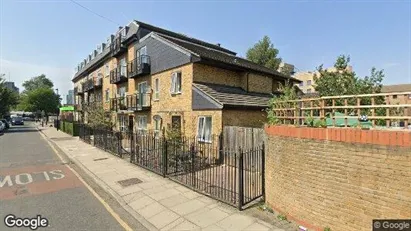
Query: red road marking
point(56, 182)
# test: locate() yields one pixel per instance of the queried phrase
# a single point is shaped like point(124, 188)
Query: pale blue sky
point(52, 37)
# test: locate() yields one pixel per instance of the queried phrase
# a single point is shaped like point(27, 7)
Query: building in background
point(11, 86)
point(307, 79)
point(402, 96)
point(70, 97)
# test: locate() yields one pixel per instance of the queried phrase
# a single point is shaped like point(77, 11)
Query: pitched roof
point(184, 37)
point(215, 55)
point(233, 96)
point(396, 88)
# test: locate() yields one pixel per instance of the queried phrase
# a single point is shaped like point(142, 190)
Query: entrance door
point(130, 123)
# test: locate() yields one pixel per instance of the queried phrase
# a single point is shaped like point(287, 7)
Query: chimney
point(218, 44)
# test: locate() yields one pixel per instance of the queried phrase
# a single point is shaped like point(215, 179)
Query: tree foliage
point(342, 81)
point(97, 117)
point(37, 82)
point(40, 99)
point(8, 98)
point(264, 53)
point(289, 92)
point(38, 95)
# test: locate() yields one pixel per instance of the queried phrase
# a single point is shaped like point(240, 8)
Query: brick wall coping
point(348, 135)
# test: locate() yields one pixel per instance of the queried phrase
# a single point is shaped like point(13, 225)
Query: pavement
point(156, 202)
point(34, 180)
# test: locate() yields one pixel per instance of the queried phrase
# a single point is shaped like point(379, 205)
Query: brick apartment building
point(403, 96)
point(149, 78)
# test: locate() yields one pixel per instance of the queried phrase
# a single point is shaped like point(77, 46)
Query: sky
point(52, 37)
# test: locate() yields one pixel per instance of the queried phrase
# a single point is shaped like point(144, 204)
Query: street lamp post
point(57, 123)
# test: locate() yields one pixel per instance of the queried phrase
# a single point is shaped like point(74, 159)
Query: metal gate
point(233, 176)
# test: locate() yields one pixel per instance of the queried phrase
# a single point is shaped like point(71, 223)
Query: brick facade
point(340, 178)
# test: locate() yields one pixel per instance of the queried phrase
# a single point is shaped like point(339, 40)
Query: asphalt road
point(34, 181)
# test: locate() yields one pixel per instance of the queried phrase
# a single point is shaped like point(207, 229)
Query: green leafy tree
point(264, 53)
point(8, 98)
point(40, 99)
point(342, 81)
point(97, 117)
point(36, 82)
point(289, 92)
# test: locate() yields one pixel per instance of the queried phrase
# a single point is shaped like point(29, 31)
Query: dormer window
point(123, 32)
point(99, 49)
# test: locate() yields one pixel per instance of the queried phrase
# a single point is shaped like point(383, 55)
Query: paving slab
point(236, 221)
point(206, 217)
point(151, 210)
point(174, 200)
point(188, 207)
point(163, 218)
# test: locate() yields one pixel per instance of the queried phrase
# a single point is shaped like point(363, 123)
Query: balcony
point(138, 102)
point(78, 90)
point(117, 46)
point(118, 104)
point(118, 75)
point(88, 85)
point(98, 82)
point(139, 66)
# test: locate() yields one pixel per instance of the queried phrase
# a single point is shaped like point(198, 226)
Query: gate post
point(240, 180)
point(193, 180)
point(119, 140)
point(263, 170)
point(165, 157)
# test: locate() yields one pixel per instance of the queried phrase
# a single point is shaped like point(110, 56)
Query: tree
point(34, 83)
point(342, 81)
point(40, 99)
point(8, 98)
point(264, 53)
point(97, 117)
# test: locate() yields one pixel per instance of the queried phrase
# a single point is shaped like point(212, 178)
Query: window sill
point(156, 100)
point(175, 93)
point(205, 141)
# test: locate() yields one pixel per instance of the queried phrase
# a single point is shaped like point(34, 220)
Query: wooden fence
point(242, 137)
point(379, 109)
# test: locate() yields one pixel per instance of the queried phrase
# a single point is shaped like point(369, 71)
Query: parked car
point(18, 120)
point(6, 123)
point(28, 119)
point(2, 127)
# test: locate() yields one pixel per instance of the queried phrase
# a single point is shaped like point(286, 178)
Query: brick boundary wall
point(340, 178)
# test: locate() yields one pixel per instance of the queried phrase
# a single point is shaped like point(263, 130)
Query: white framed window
point(157, 127)
point(107, 94)
point(107, 70)
point(142, 124)
point(409, 96)
point(122, 123)
point(156, 89)
point(204, 128)
point(122, 91)
point(175, 83)
point(123, 67)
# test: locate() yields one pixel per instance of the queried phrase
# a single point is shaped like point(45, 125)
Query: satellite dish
point(156, 117)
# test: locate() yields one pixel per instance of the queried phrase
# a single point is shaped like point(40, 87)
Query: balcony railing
point(139, 66)
point(98, 82)
point(118, 103)
point(78, 90)
point(117, 46)
point(88, 85)
point(118, 75)
point(138, 102)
